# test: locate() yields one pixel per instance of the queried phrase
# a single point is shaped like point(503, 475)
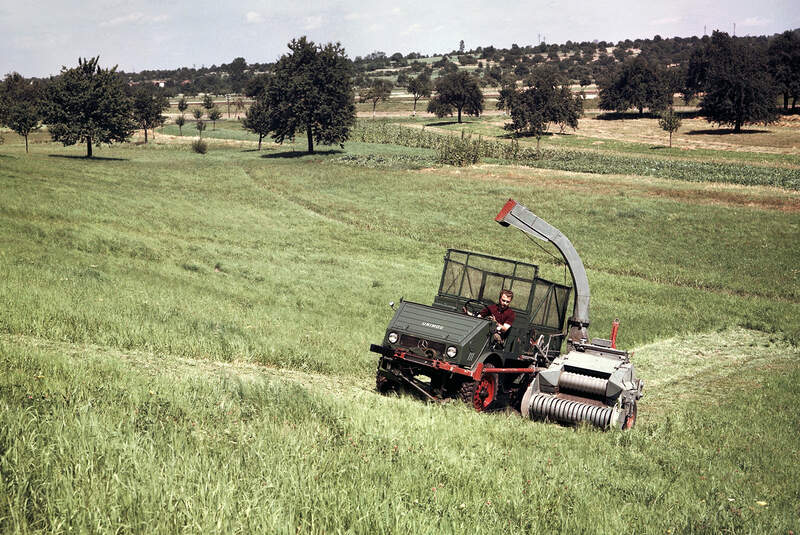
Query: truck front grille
point(422, 346)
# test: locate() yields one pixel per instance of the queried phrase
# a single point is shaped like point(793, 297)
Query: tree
point(379, 91)
point(208, 102)
point(784, 64)
point(213, 115)
point(311, 90)
point(636, 84)
point(148, 103)
point(21, 105)
point(238, 105)
point(420, 86)
point(183, 105)
point(257, 120)
point(198, 113)
point(88, 104)
point(458, 91)
point(180, 121)
point(738, 90)
point(200, 125)
point(669, 122)
point(547, 100)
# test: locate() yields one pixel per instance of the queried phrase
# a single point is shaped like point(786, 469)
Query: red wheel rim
point(484, 393)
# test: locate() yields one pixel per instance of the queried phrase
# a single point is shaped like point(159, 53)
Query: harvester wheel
point(482, 394)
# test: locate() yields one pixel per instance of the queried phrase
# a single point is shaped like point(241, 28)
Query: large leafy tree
point(88, 104)
point(257, 120)
point(784, 64)
point(457, 91)
point(311, 91)
point(20, 105)
point(419, 87)
point(547, 100)
point(636, 84)
point(379, 90)
point(148, 104)
point(737, 88)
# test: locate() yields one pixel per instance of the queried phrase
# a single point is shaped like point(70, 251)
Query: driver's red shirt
point(502, 317)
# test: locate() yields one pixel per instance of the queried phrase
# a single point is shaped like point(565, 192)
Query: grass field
point(185, 341)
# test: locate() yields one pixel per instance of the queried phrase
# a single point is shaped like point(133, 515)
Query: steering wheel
point(474, 306)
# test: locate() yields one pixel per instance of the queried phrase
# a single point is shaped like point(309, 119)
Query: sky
point(37, 38)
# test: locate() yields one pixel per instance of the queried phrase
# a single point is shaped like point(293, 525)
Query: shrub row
point(453, 150)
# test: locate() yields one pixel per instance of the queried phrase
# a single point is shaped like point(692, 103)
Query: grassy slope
point(110, 284)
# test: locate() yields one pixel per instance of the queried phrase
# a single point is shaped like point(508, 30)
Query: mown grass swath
point(185, 344)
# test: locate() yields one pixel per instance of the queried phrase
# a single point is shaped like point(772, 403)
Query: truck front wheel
point(481, 395)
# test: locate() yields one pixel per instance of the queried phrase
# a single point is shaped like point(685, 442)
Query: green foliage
point(208, 102)
point(20, 105)
point(458, 151)
point(257, 120)
point(200, 126)
point(784, 65)
point(669, 122)
point(547, 100)
point(183, 105)
point(310, 90)
point(378, 91)
point(213, 115)
point(199, 146)
point(737, 88)
point(180, 120)
point(148, 103)
point(457, 91)
point(588, 161)
point(88, 104)
point(419, 87)
point(636, 84)
point(197, 113)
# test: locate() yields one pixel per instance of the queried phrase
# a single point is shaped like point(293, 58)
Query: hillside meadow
point(185, 343)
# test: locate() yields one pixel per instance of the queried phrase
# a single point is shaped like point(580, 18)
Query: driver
point(501, 314)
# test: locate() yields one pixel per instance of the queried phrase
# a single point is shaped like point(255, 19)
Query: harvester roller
point(582, 383)
point(548, 407)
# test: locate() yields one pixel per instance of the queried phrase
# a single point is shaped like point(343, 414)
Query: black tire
point(382, 384)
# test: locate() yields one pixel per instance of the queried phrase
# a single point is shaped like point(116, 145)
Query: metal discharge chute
point(594, 381)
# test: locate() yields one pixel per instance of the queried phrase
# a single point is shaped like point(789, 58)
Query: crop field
point(185, 337)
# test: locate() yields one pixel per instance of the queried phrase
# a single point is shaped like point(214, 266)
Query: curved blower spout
point(518, 216)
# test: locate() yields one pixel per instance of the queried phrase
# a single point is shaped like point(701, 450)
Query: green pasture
point(185, 344)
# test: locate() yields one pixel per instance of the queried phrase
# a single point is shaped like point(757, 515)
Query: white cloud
point(414, 28)
point(253, 17)
point(312, 23)
point(137, 17)
point(354, 16)
point(375, 27)
point(665, 20)
point(755, 21)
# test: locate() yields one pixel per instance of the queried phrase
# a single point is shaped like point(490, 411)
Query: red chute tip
point(506, 209)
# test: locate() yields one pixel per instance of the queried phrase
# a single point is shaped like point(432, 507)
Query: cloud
point(312, 23)
point(137, 17)
point(354, 16)
point(665, 20)
point(755, 21)
point(414, 28)
point(253, 17)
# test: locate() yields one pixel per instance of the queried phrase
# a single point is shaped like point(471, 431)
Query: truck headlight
point(393, 338)
point(452, 351)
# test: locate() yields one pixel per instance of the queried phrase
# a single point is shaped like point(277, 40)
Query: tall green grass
point(93, 439)
point(144, 290)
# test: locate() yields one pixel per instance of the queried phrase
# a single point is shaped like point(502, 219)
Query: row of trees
point(729, 74)
point(85, 104)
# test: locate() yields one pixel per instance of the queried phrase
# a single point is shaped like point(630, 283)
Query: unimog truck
point(440, 352)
